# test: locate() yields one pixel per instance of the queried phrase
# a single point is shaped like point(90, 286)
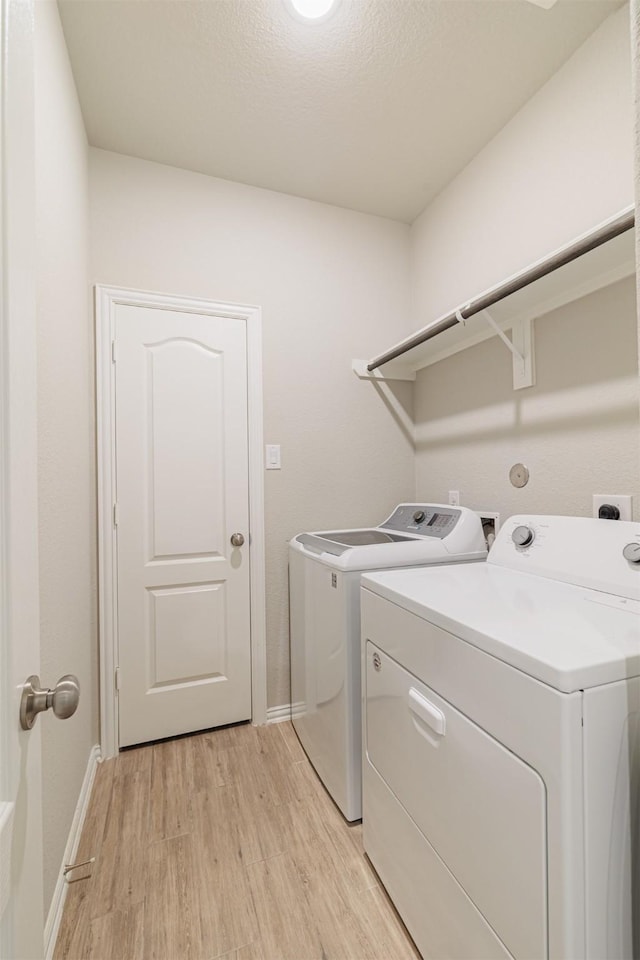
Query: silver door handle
point(237, 539)
point(64, 699)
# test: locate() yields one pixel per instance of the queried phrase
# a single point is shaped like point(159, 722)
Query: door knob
point(64, 699)
point(237, 539)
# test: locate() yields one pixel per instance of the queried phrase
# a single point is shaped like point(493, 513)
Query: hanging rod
point(608, 231)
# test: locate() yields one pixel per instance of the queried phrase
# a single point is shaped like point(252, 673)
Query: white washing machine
point(324, 582)
point(501, 776)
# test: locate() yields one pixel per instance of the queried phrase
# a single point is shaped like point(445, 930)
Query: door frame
point(107, 298)
point(22, 926)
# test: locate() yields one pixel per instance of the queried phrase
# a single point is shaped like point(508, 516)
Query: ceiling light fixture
point(316, 10)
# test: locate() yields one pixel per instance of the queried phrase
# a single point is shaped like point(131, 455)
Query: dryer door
point(480, 807)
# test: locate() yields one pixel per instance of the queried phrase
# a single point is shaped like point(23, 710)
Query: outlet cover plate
point(623, 502)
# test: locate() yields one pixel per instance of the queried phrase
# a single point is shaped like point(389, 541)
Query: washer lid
point(564, 635)
point(415, 533)
point(349, 538)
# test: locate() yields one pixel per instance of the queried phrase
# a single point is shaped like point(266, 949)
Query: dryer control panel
point(597, 554)
point(423, 519)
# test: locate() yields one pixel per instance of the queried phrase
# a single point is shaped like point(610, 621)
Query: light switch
point(273, 456)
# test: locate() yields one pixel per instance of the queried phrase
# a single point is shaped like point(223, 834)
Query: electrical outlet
point(621, 501)
point(454, 498)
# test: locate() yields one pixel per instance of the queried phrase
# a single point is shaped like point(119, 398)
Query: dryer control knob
point(632, 552)
point(419, 516)
point(523, 536)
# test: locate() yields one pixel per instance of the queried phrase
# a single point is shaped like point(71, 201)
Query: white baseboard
point(278, 714)
point(60, 893)
point(285, 711)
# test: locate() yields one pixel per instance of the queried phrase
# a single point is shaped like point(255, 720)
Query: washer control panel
point(424, 519)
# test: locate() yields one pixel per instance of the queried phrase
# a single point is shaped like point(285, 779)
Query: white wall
point(333, 285)
point(576, 430)
point(65, 431)
point(563, 164)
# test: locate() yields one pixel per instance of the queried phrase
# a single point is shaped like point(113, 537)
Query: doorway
point(181, 550)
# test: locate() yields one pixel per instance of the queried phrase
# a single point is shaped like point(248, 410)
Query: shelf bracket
point(521, 346)
point(392, 371)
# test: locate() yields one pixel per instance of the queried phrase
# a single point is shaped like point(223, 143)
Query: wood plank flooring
point(224, 845)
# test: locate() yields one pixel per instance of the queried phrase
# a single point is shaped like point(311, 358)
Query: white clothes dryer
point(501, 777)
point(324, 582)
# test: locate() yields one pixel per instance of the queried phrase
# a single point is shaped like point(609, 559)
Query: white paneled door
point(183, 588)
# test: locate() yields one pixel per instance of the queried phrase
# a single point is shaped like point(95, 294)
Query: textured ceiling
point(375, 109)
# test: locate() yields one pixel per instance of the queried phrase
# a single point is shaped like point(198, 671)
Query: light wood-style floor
point(224, 845)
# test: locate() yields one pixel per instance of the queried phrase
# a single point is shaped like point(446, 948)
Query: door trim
point(106, 300)
point(20, 751)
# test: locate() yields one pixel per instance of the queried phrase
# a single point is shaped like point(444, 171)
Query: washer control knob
point(419, 516)
point(523, 536)
point(632, 552)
